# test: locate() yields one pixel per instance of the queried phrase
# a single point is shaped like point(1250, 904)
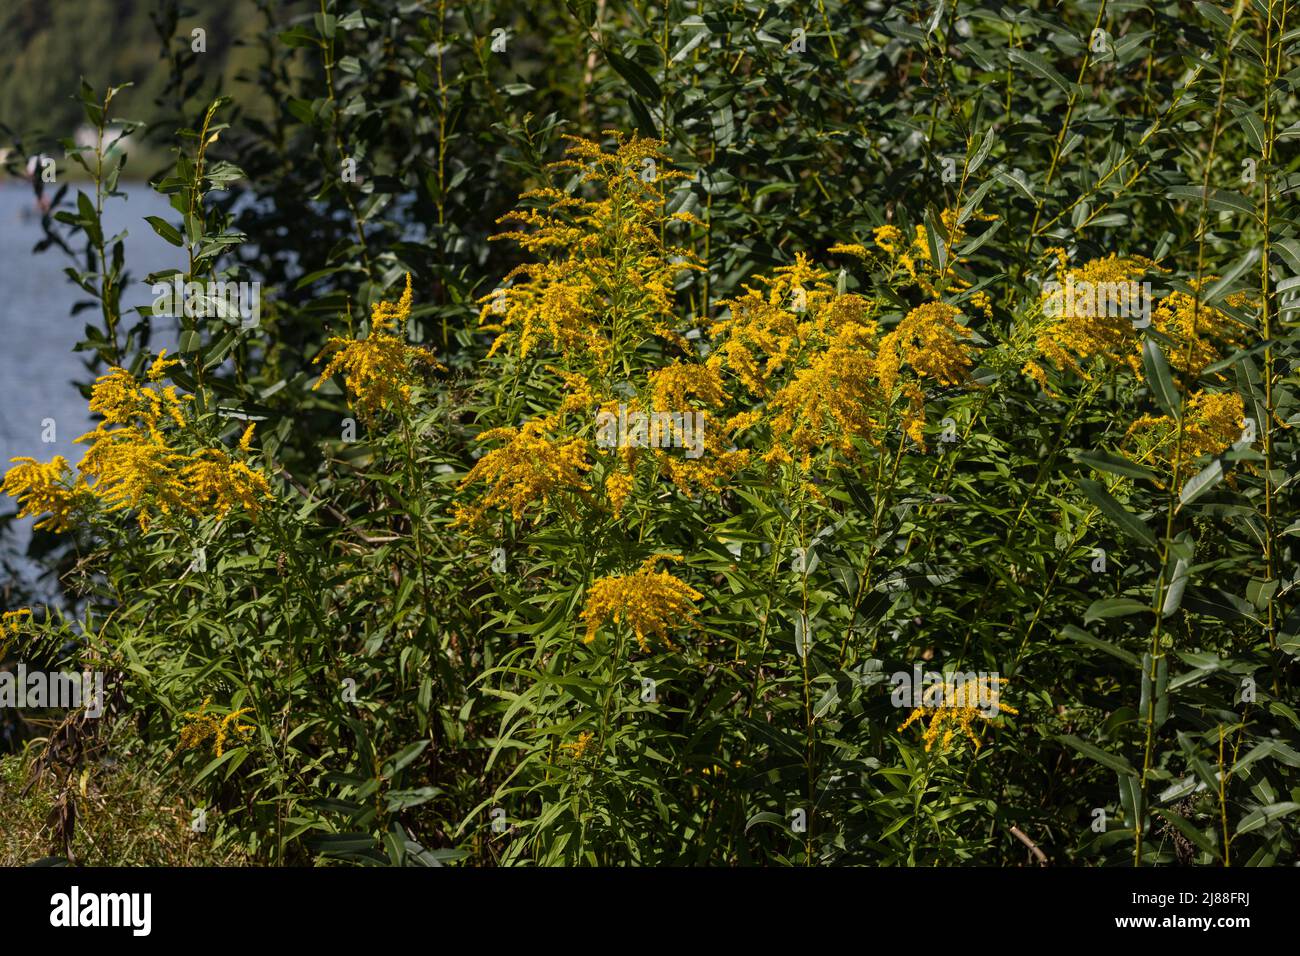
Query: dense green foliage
point(410, 679)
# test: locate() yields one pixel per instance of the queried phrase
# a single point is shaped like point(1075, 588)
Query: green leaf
point(165, 229)
point(1217, 290)
point(1083, 637)
point(1101, 460)
point(1264, 816)
point(1203, 842)
point(766, 817)
point(1218, 199)
point(1159, 378)
point(1113, 607)
point(1177, 585)
point(637, 78)
point(1093, 752)
point(1120, 516)
point(1038, 63)
point(1198, 485)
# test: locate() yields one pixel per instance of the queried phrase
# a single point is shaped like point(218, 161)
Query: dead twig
point(1033, 847)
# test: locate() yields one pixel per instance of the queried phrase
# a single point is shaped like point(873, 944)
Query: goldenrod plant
point(862, 434)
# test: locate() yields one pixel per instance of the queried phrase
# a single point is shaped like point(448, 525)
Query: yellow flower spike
point(12, 625)
point(1200, 333)
point(1212, 423)
point(578, 748)
point(134, 468)
point(528, 470)
point(224, 729)
point(390, 316)
point(158, 369)
point(956, 707)
point(887, 238)
point(649, 601)
point(215, 483)
point(379, 370)
point(201, 726)
point(929, 339)
point(593, 250)
point(44, 489)
point(1072, 334)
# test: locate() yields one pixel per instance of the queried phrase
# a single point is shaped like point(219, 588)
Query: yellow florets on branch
point(650, 602)
point(1212, 422)
point(133, 462)
point(380, 370)
point(201, 726)
point(529, 469)
point(12, 626)
point(605, 282)
point(955, 705)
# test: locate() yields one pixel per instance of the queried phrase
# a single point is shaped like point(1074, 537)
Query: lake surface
point(38, 369)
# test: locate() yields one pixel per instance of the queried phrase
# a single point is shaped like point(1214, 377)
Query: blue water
point(38, 369)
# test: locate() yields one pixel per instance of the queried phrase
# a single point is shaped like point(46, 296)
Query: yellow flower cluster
point(814, 357)
point(201, 726)
point(1212, 422)
point(380, 369)
point(835, 398)
point(601, 298)
point(133, 463)
point(1201, 334)
point(528, 470)
point(220, 482)
point(956, 707)
point(649, 601)
point(677, 388)
point(1079, 333)
point(12, 624)
point(917, 262)
point(607, 284)
point(44, 488)
point(577, 749)
point(1072, 335)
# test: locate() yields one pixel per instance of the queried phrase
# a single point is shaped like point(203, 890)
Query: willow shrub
point(870, 439)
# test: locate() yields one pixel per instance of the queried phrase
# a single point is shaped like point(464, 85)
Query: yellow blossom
point(120, 399)
point(44, 489)
point(158, 368)
point(1074, 333)
point(929, 340)
point(216, 483)
point(578, 748)
point(529, 470)
point(135, 468)
point(835, 399)
point(12, 624)
point(379, 370)
point(201, 726)
point(620, 482)
point(887, 238)
point(649, 601)
point(954, 706)
point(1200, 333)
point(1212, 421)
point(607, 278)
